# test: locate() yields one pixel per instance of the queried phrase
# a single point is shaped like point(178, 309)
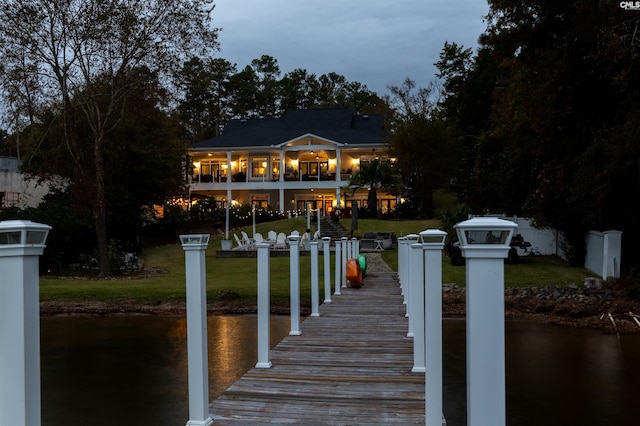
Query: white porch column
point(338, 169)
point(198, 361)
point(281, 199)
point(21, 245)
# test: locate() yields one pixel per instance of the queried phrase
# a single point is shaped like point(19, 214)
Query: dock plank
point(350, 366)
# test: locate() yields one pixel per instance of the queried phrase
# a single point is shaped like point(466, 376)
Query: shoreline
point(606, 308)
point(587, 316)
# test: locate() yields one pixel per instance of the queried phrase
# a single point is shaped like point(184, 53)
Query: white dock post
point(294, 281)
point(326, 246)
point(432, 244)
point(198, 361)
point(338, 262)
point(416, 318)
point(345, 252)
point(408, 261)
point(264, 308)
point(485, 244)
point(354, 248)
point(315, 288)
point(21, 245)
point(401, 266)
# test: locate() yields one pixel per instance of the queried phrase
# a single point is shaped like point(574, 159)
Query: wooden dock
point(351, 365)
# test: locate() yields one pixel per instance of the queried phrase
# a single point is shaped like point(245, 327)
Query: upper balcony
point(275, 168)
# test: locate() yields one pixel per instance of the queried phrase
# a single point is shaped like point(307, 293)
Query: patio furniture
point(281, 241)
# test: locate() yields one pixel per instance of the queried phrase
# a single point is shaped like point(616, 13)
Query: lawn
point(240, 274)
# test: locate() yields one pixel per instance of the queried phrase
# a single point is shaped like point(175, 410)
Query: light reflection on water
point(131, 370)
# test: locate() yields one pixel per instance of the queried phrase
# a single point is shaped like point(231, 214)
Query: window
point(260, 201)
point(213, 171)
point(259, 167)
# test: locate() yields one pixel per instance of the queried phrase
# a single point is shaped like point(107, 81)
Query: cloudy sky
point(375, 42)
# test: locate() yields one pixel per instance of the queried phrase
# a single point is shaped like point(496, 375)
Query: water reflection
point(131, 370)
point(556, 376)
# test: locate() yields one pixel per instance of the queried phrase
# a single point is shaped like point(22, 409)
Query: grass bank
point(235, 279)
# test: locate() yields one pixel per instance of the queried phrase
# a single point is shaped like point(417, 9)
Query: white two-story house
point(303, 159)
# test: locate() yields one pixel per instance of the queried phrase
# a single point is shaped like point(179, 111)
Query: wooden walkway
point(351, 365)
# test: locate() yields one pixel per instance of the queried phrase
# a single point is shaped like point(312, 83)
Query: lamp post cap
point(23, 233)
point(194, 239)
point(7, 225)
point(412, 237)
point(485, 231)
point(432, 236)
point(486, 222)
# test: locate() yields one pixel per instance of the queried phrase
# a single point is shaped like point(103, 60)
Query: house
point(18, 190)
point(303, 159)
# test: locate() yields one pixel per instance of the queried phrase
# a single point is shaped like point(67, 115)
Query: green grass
point(240, 274)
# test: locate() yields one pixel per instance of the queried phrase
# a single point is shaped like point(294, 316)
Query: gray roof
point(338, 124)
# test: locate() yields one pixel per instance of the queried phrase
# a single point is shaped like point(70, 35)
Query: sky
point(378, 43)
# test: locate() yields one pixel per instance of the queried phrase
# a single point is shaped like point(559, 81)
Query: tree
point(75, 46)
point(244, 87)
point(298, 90)
point(422, 143)
point(267, 72)
point(205, 107)
point(376, 175)
point(555, 136)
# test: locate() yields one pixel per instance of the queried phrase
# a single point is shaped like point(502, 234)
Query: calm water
point(131, 370)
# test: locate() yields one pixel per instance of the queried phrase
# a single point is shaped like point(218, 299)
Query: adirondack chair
point(248, 242)
point(241, 245)
point(281, 241)
point(257, 238)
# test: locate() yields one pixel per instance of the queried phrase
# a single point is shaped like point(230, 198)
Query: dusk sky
point(375, 42)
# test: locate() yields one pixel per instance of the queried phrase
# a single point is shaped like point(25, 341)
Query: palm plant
point(376, 175)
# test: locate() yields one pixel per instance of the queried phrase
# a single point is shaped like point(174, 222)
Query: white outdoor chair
point(316, 235)
point(258, 238)
point(272, 235)
point(248, 242)
point(281, 241)
point(240, 243)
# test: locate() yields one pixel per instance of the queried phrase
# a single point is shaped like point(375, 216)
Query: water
point(131, 370)
point(556, 376)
